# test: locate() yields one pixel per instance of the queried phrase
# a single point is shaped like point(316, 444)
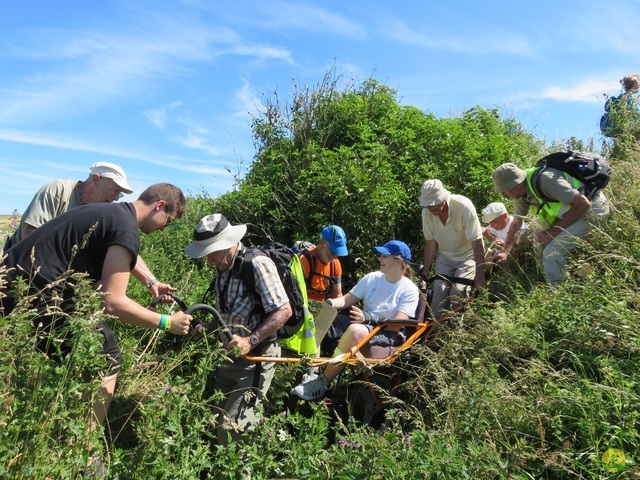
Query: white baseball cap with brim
point(114, 172)
point(212, 234)
point(433, 193)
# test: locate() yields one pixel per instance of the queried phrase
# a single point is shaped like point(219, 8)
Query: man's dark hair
point(167, 192)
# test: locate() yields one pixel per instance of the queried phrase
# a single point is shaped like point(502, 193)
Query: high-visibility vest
point(548, 211)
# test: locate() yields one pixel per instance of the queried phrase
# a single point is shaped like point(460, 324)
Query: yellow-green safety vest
point(550, 212)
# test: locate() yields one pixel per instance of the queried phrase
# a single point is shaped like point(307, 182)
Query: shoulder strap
point(311, 260)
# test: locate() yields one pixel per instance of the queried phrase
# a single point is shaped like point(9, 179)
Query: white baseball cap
point(114, 172)
point(493, 211)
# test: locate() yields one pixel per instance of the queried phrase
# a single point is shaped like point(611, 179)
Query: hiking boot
point(312, 389)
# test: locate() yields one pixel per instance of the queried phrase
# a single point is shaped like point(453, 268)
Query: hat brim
point(227, 239)
point(382, 250)
point(340, 251)
point(431, 202)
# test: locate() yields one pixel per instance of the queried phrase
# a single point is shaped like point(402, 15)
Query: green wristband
point(165, 322)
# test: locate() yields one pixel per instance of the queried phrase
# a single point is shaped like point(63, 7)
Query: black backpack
point(290, 272)
point(589, 168)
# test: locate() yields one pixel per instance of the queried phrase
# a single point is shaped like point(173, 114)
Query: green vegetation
point(526, 384)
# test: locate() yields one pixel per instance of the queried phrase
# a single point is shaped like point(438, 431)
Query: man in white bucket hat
point(254, 324)
point(106, 182)
point(453, 238)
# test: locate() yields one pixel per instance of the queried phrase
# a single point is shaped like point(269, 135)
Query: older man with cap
point(106, 182)
point(564, 213)
point(254, 325)
point(453, 238)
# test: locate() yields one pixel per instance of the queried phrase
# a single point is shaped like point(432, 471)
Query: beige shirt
point(51, 200)
point(461, 228)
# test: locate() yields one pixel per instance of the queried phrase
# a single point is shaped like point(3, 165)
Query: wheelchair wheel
point(366, 400)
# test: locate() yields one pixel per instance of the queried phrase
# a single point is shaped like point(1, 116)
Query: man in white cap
point(106, 182)
point(44, 259)
point(453, 238)
point(254, 323)
point(564, 213)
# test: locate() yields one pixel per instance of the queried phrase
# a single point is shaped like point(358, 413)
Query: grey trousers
point(243, 393)
point(447, 296)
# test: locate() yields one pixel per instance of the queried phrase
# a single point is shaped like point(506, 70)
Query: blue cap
point(337, 240)
point(396, 248)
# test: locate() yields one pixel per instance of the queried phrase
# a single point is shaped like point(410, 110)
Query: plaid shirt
point(236, 303)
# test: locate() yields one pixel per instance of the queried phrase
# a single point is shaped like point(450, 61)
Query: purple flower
point(342, 442)
point(182, 393)
point(168, 389)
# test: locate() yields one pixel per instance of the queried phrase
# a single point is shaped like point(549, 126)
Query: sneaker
point(311, 390)
point(309, 375)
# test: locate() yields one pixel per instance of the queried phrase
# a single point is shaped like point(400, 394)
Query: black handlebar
point(176, 298)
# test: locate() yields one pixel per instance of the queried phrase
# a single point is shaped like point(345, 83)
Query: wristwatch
point(253, 340)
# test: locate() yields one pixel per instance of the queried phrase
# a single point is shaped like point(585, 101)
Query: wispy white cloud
point(588, 91)
point(173, 162)
point(96, 67)
point(158, 116)
point(479, 42)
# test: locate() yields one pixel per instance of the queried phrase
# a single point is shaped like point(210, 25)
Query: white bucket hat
point(433, 193)
point(114, 172)
point(212, 234)
point(493, 211)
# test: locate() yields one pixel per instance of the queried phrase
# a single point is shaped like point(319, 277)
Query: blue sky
point(167, 89)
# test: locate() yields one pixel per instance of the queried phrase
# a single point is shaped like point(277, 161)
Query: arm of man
point(143, 273)
point(579, 206)
point(512, 236)
point(267, 328)
point(429, 253)
point(479, 281)
point(336, 290)
point(27, 230)
point(115, 278)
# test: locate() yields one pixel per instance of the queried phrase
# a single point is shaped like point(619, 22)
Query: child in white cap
point(498, 222)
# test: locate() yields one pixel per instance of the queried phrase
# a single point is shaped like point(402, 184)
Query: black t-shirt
point(76, 240)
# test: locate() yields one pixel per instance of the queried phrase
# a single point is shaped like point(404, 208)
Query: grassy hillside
point(527, 383)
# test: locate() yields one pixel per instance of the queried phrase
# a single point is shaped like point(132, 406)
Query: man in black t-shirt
point(101, 240)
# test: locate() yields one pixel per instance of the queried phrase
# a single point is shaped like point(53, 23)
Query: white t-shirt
point(502, 234)
point(385, 299)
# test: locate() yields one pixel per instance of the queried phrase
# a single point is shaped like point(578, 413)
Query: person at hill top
point(254, 323)
point(624, 105)
point(564, 213)
point(387, 293)
point(102, 241)
point(453, 238)
point(106, 182)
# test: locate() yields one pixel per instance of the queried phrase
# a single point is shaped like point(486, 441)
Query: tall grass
point(528, 383)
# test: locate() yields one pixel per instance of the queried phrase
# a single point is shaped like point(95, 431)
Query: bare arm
point(27, 230)
point(336, 290)
point(478, 256)
point(267, 328)
point(429, 253)
point(579, 206)
point(142, 272)
point(512, 237)
point(115, 278)
point(345, 301)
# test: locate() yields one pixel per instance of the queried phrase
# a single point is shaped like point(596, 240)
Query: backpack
point(290, 272)
point(590, 169)
point(607, 126)
point(311, 260)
